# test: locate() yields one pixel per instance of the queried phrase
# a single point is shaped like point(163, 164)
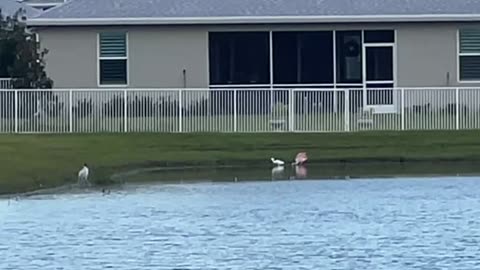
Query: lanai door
point(379, 76)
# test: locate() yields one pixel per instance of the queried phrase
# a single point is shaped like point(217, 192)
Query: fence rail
point(6, 83)
point(237, 110)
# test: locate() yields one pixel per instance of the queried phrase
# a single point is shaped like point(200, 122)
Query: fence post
point(291, 110)
point(402, 107)
point(125, 110)
point(16, 110)
point(347, 109)
point(235, 110)
point(457, 109)
point(180, 116)
point(70, 111)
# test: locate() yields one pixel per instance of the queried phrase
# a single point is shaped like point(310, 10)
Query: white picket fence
point(6, 83)
point(237, 110)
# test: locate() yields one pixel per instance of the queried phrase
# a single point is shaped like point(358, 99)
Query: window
point(379, 36)
point(469, 54)
point(113, 58)
point(316, 58)
point(349, 56)
point(239, 58)
point(303, 57)
point(379, 62)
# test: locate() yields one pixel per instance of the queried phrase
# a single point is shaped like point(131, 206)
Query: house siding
point(71, 60)
point(426, 54)
point(159, 56)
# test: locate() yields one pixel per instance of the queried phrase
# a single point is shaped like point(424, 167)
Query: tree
point(21, 56)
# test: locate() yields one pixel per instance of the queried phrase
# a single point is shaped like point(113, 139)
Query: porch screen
point(113, 58)
point(469, 54)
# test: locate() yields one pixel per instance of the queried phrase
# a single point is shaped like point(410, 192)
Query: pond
point(324, 222)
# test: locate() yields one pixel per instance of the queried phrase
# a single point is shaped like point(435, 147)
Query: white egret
point(277, 162)
point(83, 175)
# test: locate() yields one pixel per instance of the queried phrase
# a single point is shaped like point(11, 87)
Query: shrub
point(83, 108)
point(114, 107)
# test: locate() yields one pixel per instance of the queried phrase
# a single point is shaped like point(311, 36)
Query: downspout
point(184, 72)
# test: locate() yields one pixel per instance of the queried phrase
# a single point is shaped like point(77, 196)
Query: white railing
point(237, 110)
point(6, 83)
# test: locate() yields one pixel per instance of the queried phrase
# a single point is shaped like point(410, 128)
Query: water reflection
point(307, 171)
point(296, 172)
point(278, 172)
point(301, 172)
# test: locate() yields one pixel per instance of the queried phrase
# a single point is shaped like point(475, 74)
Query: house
point(262, 43)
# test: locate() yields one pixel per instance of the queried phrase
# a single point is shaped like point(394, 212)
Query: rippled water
point(358, 224)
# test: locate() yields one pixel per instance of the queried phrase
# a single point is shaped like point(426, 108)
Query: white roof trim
point(251, 19)
point(48, 4)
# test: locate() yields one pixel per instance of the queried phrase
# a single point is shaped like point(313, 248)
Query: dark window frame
point(121, 60)
point(381, 73)
point(339, 73)
point(309, 51)
point(236, 59)
point(349, 49)
point(379, 36)
point(468, 56)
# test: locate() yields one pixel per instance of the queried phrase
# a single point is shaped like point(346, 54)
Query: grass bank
point(30, 161)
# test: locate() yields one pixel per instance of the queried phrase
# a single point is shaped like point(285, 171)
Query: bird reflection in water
point(277, 172)
point(301, 172)
point(298, 172)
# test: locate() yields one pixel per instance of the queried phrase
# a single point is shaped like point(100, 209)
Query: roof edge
point(43, 4)
point(251, 20)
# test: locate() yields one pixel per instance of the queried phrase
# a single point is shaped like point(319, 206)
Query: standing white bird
point(83, 175)
point(277, 162)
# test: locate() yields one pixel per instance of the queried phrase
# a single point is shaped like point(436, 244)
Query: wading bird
point(277, 162)
point(300, 159)
point(83, 175)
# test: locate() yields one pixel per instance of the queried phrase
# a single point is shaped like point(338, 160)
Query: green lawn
point(28, 161)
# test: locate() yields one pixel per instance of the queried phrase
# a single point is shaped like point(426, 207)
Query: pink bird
point(300, 158)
